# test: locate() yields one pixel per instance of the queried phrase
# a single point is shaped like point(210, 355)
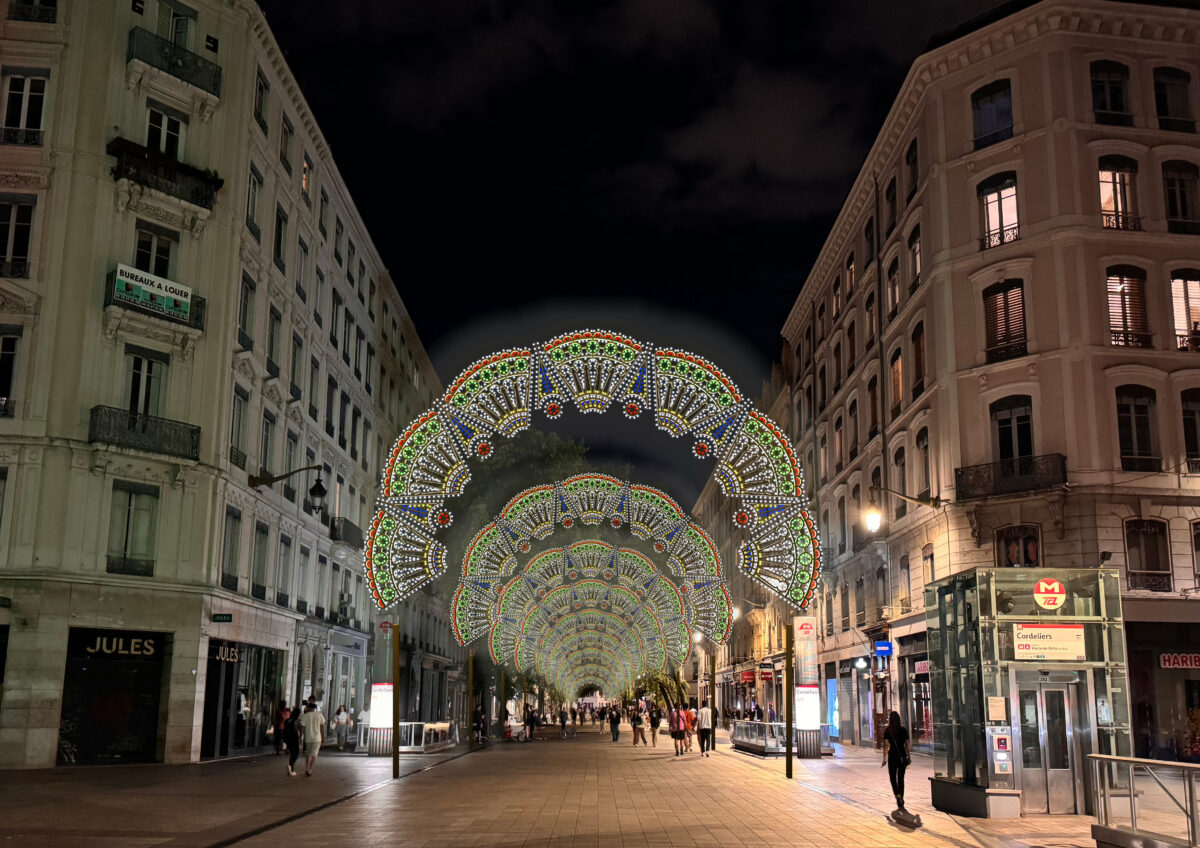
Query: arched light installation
point(688, 554)
point(594, 370)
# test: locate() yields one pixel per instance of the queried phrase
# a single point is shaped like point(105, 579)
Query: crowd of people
point(304, 728)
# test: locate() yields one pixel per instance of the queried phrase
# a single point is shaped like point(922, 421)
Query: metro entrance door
point(1048, 736)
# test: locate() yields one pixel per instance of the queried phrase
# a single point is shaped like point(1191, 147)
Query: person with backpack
point(896, 755)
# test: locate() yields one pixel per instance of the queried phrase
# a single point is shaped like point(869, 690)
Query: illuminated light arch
point(592, 369)
point(492, 557)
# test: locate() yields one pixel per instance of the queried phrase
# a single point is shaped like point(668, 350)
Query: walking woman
point(290, 732)
point(896, 755)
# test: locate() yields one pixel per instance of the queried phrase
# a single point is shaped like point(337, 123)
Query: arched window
point(852, 428)
point(1147, 555)
point(914, 259)
point(837, 297)
point(918, 360)
point(1018, 546)
point(1110, 94)
point(860, 603)
point(900, 485)
point(841, 509)
point(869, 320)
point(829, 614)
point(1172, 101)
point(998, 203)
point(838, 442)
point(820, 323)
point(881, 592)
point(928, 572)
point(821, 387)
point(851, 348)
point(904, 586)
point(1136, 429)
point(1179, 189)
point(869, 238)
point(1118, 193)
point(1185, 304)
point(845, 607)
point(1012, 424)
point(837, 366)
point(850, 279)
point(823, 460)
point(893, 288)
point(1127, 319)
point(1191, 428)
point(873, 406)
point(912, 165)
point(876, 477)
point(923, 473)
point(897, 381)
point(991, 112)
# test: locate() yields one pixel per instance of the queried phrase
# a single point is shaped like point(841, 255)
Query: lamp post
point(316, 494)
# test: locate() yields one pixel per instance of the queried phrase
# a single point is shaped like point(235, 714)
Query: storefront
point(1164, 682)
point(244, 684)
point(830, 700)
point(914, 705)
point(1027, 677)
point(113, 701)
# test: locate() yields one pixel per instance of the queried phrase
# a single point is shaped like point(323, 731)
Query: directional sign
point(883, 649)
point(1049, 593)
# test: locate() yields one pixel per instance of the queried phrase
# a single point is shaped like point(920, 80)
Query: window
point(1004, 320)
point(333, 325)
point(918, 356)
point(279, 251)
point(860, 602)
point(274, 330)
point(896, 373)
point(246, 310)
point(837, 297)
point(253, 192)
point(1179, 188)
point(370, 367)
point(838, 444)
point(318, 296)
point(912, 165)
point(823, 468)
point(343, 420)
point(355, 418)
point(1012, 423)
point(889, 206)
point(323, 213)
point(869, 309)
point(821, 387)
point(237, 429)
point(24, 98)
point(330, 404)
point(927, 566)
point(291, 447)
point(869, 238)
point(923, 471)
point(1018, 546)
point(153, 251)
point(873, 405)
point(1135, 429)
point(821, 323)
point(286, 135)
point(1191, 428)
point(266, 446)
point(302, 579)
point(283, 567)
point(893, 288)
point(306, 178)
point(905, 586)
point(229, 550)
point(900, 465)
point(852, 428)
point(338, 231)
point(297, 362)
point(258, 574)
point(851, 348)
point(841, 528)
point(10, 340)
point(301, 269)
point(163, 133)
point(1171, 100)
point(350, 252)
point(991, 113)
point(998, 200)
point(829, 613)
point(131, 529)
point(1127, 320)
point(347, 333)
point(914, 258)
point(42, 12)
point(1147, 555)
point(359, 342)
point(837, 366)
point(1110, 94)
point(1118, 201)
point(16, 224)
point(261, 89)
point(314, 380)
point(1185, 301)
point(845, 608)
point(145, 375)
point(174, 23)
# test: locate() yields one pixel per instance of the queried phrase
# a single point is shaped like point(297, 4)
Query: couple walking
point(682, 721)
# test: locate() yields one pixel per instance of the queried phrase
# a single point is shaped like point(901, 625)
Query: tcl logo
point(1049, 593)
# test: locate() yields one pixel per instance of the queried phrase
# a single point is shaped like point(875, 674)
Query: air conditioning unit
point(343, 597)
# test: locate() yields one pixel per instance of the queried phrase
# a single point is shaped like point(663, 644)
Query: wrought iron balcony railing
point(38, 14)
point(197, 306)
point(344, 530)
point(237, 457)
point(15, 269)
point(1023, 474)
point(1150, 581)
point(229, 581)
point(130, 566)
point(148, 433)
point(160, 172)
point(1130, 338)
point(995, 238)
point(177, 61)
point(1141, 463)
point(1186, 226)
point(20, 135)
point(1121, 221)
point(1007, 350)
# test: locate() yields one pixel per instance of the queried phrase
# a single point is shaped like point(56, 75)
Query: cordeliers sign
point(1179, 661)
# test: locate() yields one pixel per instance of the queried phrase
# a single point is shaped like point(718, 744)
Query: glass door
point(1049, 746)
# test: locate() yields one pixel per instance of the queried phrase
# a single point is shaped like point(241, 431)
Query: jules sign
point(92, 643)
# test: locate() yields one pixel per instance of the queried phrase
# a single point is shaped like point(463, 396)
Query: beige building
point(1003, 324)
point(188, 300)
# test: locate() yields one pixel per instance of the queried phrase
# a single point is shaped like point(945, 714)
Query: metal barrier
point(416, 737)
point(1123, 820)
point(769, 738)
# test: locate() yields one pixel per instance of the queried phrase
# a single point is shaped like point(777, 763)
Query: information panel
point(1062, 642)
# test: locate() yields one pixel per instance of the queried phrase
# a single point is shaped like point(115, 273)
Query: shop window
point(1148, 558)
point(1018, 546)
point(131, 528)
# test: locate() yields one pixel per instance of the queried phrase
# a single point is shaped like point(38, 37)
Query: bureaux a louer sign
point(149, 293)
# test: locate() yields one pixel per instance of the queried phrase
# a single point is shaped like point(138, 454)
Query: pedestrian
point(675, 724)
point(655, 721)
point(896, 755)
point(614, 723)
point(291, 730)
point(771, 712)
point(639, 730)
point(574, 717)
point(277, 719)
point(562, 720)
point(758, 712)
point(341, 724)
point(314, 735)
point(704, 725)
point(689, 725)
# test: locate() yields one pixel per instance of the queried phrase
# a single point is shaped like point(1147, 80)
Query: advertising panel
point(147, 292)
point(1061, 642)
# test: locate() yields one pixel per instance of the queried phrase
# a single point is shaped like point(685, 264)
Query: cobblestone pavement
point(582, 792)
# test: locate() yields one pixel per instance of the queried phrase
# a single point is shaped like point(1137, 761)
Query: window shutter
point(1127, 302)
point(1004, 313)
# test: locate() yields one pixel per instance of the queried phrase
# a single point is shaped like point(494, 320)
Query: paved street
point(586, 792)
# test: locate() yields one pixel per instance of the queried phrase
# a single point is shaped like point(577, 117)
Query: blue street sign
point(883, 649)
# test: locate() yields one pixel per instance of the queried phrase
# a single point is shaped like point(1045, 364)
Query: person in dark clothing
point(277, 720)
point(896, 755)
point(614, 723)
point(291, 737)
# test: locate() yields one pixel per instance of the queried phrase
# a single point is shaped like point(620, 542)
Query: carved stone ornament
point(972, 512)
point(294, 414)
point(270, 392)
point(243, 366)
point(131, 197)
point(1055, 505)
point(15, 299)
point(119, 323)
point(18, 180)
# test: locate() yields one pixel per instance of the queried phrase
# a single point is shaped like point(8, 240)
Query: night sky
point(668, 168)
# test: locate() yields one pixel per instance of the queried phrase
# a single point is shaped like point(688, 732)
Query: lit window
point(1127, 320)
point(1118, 206)
point(998, 199)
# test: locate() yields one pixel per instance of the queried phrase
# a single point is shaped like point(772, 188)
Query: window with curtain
point(1018, 546)
point(1004, 320)
point(1118, 195)
point(1185, 308)
point(1135, 429)
point(1148, 555)
point(131, 529)
point(998, 203)
point(914, 258)
point(1128, 323)
point(893, 288)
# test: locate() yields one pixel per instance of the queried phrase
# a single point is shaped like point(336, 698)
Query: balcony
point(1125, 338)
point(170, 58)
point(281, 599)
point(905, 605)
point(991, 138)
point(1007, 350)
point(229, 581)
point(1148, 464)
point(346, 531)
point(133, 296)
point(258, 591)
point(160, 172)
point(15, 270)
point(237, 457)
point(1110, 118)
point(1186, 226)
point(995, 238)
point(302, 606)
point(130, 566)
point(1150, 581)
point(20, 136)
point(39, 14)
point(1023, 474)
point(8, 407)
point(1120, 221)
point(142, 432)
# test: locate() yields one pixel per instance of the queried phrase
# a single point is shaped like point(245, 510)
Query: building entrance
point(1048, 737)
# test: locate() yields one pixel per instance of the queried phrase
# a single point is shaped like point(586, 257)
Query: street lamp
point(873, 517)
point(316, 495)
